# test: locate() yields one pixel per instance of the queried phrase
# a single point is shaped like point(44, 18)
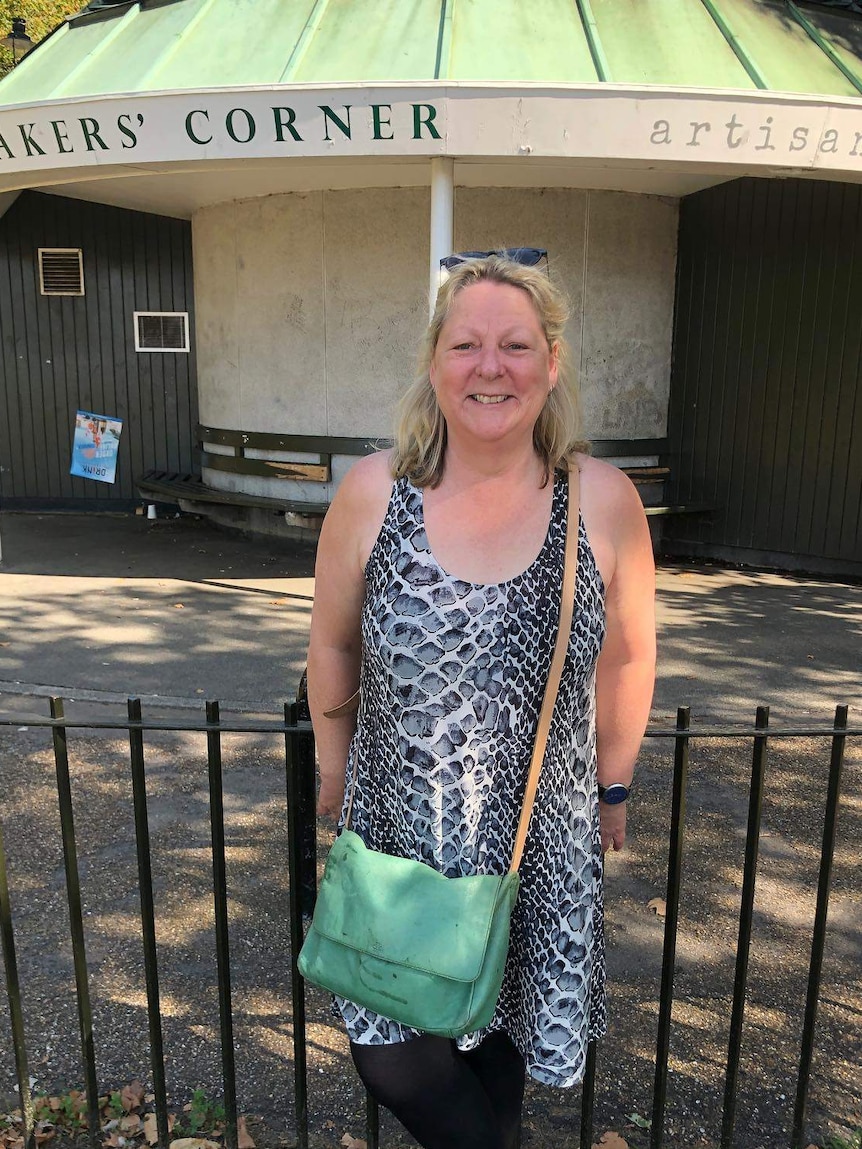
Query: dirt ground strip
point(256, 838)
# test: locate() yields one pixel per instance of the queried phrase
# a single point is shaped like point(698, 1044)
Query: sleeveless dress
point(452, 679)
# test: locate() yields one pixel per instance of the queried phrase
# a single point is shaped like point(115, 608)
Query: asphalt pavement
point(95, 608)
point(99, 607)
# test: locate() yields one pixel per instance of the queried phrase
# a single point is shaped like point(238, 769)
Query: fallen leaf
point(641, 1122)
point(194, 1143)
point(179, 606)
point(115, 1141)
point(151, 1129)
point(132, 1095)
point(55, 1104)
point(131, 1123)
point(351, 1142)
point(611, 1140)
point(272, 602)
point(243, 1137)
point(658, 906)
point(43, 1131)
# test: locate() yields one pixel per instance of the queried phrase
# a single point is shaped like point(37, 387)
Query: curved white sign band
point(610, 122)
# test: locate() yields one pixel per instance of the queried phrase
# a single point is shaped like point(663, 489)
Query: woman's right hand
point(330, 798)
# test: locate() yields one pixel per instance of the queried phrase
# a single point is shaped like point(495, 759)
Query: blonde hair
point(420, 433)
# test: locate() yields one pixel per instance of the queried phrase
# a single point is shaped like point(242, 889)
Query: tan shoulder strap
point(567, 607)
point(343, 708)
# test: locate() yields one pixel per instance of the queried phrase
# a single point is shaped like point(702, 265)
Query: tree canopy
point(41, 17)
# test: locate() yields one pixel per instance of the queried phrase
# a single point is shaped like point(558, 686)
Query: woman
point(439, 592)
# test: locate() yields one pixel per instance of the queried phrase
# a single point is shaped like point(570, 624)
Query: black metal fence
point(300, 800)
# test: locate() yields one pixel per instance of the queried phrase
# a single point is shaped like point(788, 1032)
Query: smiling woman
point(439, 589)
point(541, 310)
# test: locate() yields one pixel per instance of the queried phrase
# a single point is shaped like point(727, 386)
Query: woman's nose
point(489, 366)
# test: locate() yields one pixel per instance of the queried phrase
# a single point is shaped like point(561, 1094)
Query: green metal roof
point(187, 44)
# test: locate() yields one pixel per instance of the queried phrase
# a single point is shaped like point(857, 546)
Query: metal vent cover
point(161, 331)
point(61, 271)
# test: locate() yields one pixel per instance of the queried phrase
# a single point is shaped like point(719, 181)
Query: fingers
point(328, 809)
point(612, 841)
point(330, 798)
point(612, 823)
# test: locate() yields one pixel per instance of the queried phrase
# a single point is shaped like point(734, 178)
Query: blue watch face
point(613, 795)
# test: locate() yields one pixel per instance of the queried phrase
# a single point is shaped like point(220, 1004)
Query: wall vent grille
point(61, 271)
point(161, 331)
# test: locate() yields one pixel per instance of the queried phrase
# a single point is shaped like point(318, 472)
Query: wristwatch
point(615, 794)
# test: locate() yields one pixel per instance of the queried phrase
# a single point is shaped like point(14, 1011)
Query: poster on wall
point(95, 446)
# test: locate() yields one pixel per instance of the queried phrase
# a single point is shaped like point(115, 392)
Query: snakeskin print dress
point(453, 675)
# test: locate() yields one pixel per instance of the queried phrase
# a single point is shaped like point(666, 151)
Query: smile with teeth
point(489, 398)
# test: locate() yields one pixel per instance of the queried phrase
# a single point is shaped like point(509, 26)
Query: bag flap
point(405, 912)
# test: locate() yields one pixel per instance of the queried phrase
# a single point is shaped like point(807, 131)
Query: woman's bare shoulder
point(607, 489)
point(358, 508)
point(612, 511)
point(368, 482)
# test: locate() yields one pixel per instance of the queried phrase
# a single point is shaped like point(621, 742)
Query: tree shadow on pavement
point(254, 788)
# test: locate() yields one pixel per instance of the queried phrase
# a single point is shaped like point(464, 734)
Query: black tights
point(444, 1098)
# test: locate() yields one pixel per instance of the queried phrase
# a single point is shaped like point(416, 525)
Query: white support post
point(442, 220)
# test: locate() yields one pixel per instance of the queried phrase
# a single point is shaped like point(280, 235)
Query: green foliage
point(127, 1119)
point(200, 1115)
point(112, 1106)
point(42, 16)
point(836, 1142)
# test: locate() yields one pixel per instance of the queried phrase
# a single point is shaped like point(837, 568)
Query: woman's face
point(492, 369)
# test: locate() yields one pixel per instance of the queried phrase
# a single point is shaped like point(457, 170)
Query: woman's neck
point(493, 464)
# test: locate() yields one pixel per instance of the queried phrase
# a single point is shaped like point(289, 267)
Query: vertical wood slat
point(849, 295)
point(11, 463)
point(776, 403)
point(816, 335)
point(766, 395)
point(797, 381)
point(59, 354)
point(850, 528)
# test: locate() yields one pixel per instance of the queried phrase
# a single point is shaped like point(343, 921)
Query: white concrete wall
point(615, 256)
point(309, 306)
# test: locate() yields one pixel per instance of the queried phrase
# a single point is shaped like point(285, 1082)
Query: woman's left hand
point(612, 823)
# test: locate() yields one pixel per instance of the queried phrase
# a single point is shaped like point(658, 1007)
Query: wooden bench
point(648, 477)
point(314, 464)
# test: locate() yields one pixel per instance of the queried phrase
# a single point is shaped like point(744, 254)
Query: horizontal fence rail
point(296, 730)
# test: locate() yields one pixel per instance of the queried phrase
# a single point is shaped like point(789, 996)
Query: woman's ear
point(553, 366)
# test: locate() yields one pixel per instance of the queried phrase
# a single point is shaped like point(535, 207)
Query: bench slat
point(268, 468)
point(310, 444)
point(190, 487)
point(625, 448)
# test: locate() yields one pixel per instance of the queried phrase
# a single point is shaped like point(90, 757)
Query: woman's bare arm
point(334, 651)
point(625, 674)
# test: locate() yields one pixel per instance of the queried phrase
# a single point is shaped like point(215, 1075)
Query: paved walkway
point(98, 607)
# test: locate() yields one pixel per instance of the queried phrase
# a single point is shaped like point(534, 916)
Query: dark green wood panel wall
point(766, 391)
point(58, 354)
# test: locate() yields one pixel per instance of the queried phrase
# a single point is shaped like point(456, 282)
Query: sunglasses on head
point(527, 256)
